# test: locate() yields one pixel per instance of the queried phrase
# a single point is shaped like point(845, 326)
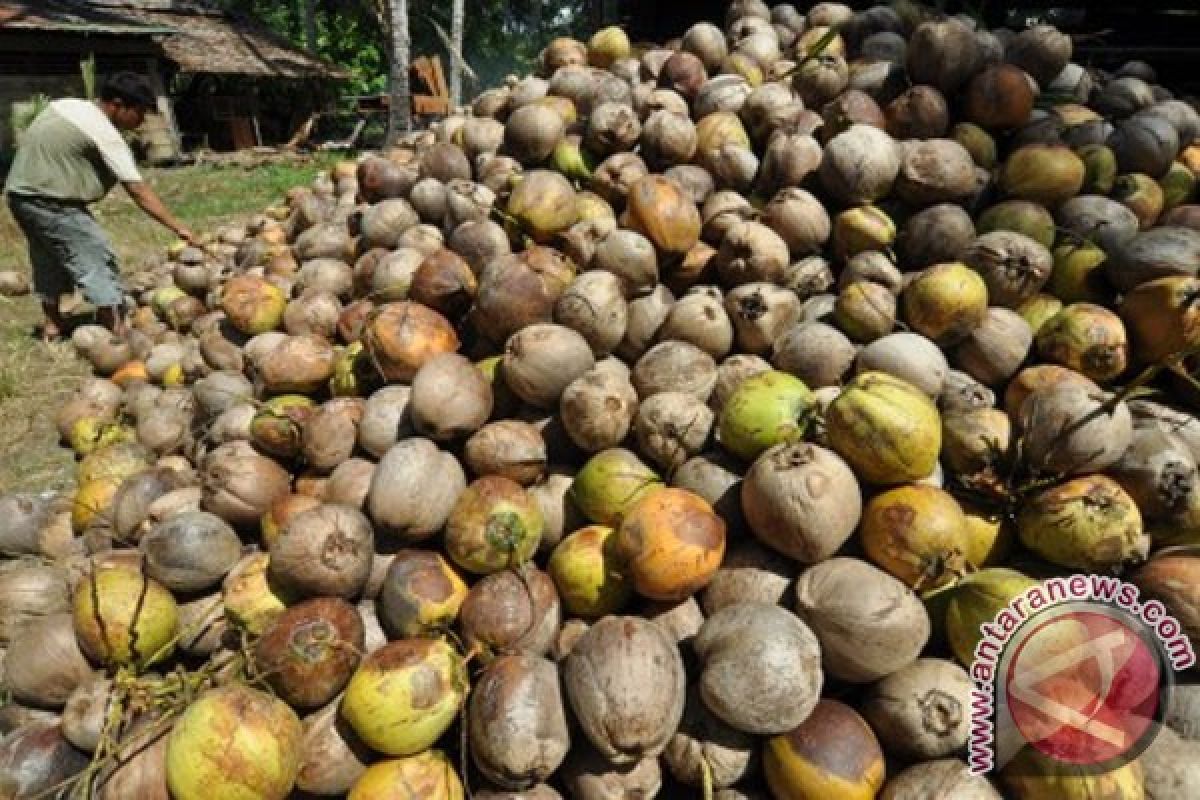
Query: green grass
point(36, 378)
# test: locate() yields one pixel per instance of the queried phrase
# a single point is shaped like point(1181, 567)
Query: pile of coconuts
point(665, 426)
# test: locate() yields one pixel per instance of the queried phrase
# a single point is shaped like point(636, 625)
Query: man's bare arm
point(149, 201)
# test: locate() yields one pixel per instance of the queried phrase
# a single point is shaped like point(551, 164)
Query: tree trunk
point(400, 116)
point(310, 24)
point(457, 20)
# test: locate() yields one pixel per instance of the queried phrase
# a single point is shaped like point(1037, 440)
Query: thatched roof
point(197, 36)
point(67, 16)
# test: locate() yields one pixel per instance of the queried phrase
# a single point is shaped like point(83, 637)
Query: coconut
point(1087, 338)
point(35, 759)
point(865, 310)
point(512, 612)
point(123, 617)
point(445, 283)
point(198, 756)
point(401, 337)
point(512, 691)
point(1146, 143)
point(671, 427)
point(816, 353)
point(631, 258)
point(907, 356)
point(390, 713)
point(808, 759)
point(191, 551)
point(450, 398)
point(325, 551)
point(393, 502)
point(1042, 51)
point(737, 646)
point(760, 313)
point(947, 778)
point(764, 410)
point(239, 485)
point(917, 533)
point(946, 302)
point(1156, 253)
point(44, 665)
point(588, 775)
point(699, 318)
point(918, 113)
point(493, 525)
point(859, 165)
point(943, 54)
point(707, 751)
point(995, 350)
point(1013, 266)
point(310, 651)
point(999, 98)
point(1073, 430)
point(588, 573)
point(675, 366)
point(788, 161)
point(938, 234)
point(531, 133)
point(869, 624)
point(1043, 173)
point(799, 219)
point(519, 290)
point(801, 500)
point(1105, 221)
point(626, 684)
point(1088, 523)
point(1168, 578)
point(659, 210)
point(936, 171)
point(922, 712)
point(876, 407)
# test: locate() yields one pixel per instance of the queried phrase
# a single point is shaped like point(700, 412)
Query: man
point(72, 155)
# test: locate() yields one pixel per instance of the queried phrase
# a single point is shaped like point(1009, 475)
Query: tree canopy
point(500, 36)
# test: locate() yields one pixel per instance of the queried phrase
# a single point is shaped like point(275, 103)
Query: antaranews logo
point(1078, 668)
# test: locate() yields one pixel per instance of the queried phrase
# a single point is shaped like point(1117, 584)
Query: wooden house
point(211, 68)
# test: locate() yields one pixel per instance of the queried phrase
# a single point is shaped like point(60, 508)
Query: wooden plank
point(440, 89)
point(425, 73)
point(424, 104)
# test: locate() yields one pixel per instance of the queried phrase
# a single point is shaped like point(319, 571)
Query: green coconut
point(610, 483)
point(765, 410)
point(887, 429)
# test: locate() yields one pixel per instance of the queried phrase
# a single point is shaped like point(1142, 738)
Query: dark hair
point(129, 88)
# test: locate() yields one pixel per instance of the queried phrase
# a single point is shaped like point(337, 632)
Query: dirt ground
point(35, 378)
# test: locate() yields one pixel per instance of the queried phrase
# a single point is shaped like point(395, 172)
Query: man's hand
point(149, 201)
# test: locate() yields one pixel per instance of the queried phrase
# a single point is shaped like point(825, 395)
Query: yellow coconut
point(405, 695)
point(234, 743)
point(124, 618)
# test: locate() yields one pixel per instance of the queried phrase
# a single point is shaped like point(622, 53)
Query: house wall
point(16, 94)
point(44, 64)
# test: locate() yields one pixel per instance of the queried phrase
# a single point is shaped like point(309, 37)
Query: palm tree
point(456, 58)
point(400, 116)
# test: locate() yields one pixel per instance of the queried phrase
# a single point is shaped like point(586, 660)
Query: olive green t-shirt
point(71, 152)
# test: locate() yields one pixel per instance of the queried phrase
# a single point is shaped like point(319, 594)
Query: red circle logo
point(1083, 687)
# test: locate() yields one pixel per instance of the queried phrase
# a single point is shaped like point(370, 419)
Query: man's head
point(125, 98)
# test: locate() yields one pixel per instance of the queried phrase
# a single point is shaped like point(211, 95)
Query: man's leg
point(50, 279)
point(79, 245)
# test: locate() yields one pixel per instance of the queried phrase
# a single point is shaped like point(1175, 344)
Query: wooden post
point(165, 107)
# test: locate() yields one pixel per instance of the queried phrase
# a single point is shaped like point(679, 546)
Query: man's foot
point(52, 326)
point(113, 319)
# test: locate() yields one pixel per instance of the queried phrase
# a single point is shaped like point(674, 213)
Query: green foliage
point(24, 114)
point(500, 37)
